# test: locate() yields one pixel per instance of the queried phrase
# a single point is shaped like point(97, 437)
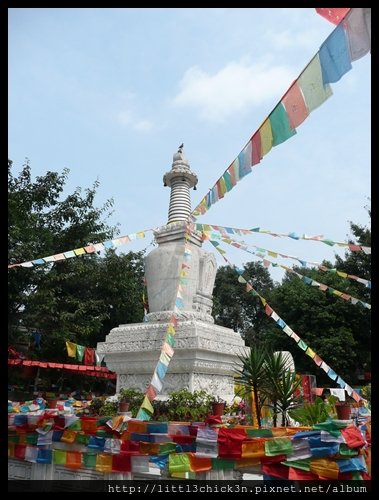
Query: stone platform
point(206, 356)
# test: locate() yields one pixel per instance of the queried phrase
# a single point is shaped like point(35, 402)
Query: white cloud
point(236, 87)
point(143, 125)
point(128, 119)
point(289, 38)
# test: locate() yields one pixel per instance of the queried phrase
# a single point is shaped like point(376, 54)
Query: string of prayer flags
point(206, 228)
point(283, 325)
point(86, 354)
point(89, 249)
point(305, 279)
point(349, 41)
point(263, 251)
point(327, 449)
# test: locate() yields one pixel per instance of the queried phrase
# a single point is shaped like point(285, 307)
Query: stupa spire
point(180, 179)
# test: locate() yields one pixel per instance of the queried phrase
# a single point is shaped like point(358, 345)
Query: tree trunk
point(256, 404)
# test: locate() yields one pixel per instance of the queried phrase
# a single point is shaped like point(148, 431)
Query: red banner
point(92, 371)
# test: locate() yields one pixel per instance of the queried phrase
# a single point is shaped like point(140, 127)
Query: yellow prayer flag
point(141, 234)
point(324, 467)
point(266, 137)
point(310, 353)
point(170, 329)
point(79, 251)
point(147, 405)
point(223, 186)
point(71, 349)
point(343, 275)
point(104, 462)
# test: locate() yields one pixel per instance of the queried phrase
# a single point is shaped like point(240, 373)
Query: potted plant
point(343, 409)
point(129, 400)
point(218, 406)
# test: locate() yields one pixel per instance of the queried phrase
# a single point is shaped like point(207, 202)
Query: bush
point(133, 397)
point(184, 405)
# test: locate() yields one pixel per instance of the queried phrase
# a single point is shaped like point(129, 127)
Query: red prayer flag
point(334, 15)
point(256, 148)
point(302, 475)
point(89, 356)
point(268, 310)
point(276, 470)
point(295, 106)
point(353, 437)
point(121, 462)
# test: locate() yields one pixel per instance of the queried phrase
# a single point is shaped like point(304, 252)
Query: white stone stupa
point(206, 355)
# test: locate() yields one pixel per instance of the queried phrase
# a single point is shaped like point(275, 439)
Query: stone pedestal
point(205, 356)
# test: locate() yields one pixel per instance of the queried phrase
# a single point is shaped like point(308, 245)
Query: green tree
point(358, 263)
point(338, 331)
point(234, 308)
point(40, 223)
point(78, 299)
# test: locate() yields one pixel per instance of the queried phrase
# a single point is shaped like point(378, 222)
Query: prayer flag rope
point(348, 42)
point(262, 252)
point(227, 231)
point(92, 248)
point(308, 281)
point(283, 325)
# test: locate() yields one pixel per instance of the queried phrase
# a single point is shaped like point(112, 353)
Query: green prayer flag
point(79, 352)
point(280, 127)
point(298, 464)
point(302, 345)
point(278, 446)
point(166, 448)
point(89, 460)
point(16, 439)
point(82, 438)
point(170, 340)
point(75, 426)
point(179, 462)
point(31, 438)
point(228, 181)
point(223, 463)
point(312, 85)
point(332, 426)
point(346, 451)
point(259, 432)
point(59, 457)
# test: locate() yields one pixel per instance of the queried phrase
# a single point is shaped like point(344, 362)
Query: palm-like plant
point(280, 382)
point(251, 375)
point(286, 399)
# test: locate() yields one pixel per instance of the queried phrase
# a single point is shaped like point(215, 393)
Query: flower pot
point(218, 408)
point(52, 403)
point(343, 412)
point(123, 406)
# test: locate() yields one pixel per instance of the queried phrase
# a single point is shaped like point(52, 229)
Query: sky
point(110, 93)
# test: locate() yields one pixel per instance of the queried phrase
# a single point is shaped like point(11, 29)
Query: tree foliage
point(78, 299)
point(236, 309)
point(337, 330)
